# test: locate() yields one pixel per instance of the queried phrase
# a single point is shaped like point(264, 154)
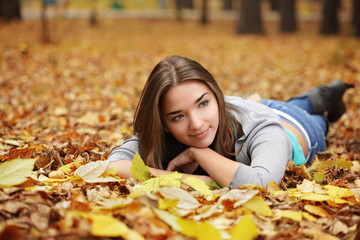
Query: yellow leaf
point(15, 171)
point(296, 216)
point(171, 179)
point(50, 180)
point(103, 225)
point(309, 217)
point(199, 230)
point(110, 173)
point(318, 211)
point(67, 168)
point(167, 203)
point(153, 184)
point(245, 229)
point(258, 205)
point(315, 197)
point(70, 167)
point(338, 200)
point(139, 170)
point(169, 218)
point(146, 188)
point(198, 185)
point(273, 187)
point(108, 226)
point(335, 191)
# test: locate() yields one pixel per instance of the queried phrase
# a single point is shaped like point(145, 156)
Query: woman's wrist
point(195, 153)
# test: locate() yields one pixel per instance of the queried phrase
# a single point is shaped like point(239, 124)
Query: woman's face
point(191, 114)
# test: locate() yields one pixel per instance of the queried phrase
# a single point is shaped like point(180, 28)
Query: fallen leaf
point(199, 230)
point(245, 229)
point(92, 170)
point(294, 215)
point(198, 185)
point(139, 170)
point(318, 211)
point(15, 171)
point(258, 205)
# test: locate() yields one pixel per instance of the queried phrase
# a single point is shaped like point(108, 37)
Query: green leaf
point(321, 165)
point(15, 171)
point(139, 170)
point(342, 163)
point(198, 185)
point(319, 177)
point(213, 184)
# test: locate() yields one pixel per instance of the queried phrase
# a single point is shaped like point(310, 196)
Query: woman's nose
point(195, 122)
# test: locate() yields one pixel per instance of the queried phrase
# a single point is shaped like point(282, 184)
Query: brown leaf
point(21, 153)
point(11, 232)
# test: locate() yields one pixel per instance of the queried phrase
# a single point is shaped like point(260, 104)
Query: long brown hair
point(156, 146)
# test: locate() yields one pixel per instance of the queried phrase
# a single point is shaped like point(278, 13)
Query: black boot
point(328, 99)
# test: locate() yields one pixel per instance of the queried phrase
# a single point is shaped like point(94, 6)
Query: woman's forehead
point(185, 92)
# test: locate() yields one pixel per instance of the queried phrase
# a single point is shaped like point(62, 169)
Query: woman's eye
point(177, 118)
point(204, 103)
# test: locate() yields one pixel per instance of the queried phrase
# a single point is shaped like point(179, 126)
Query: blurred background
point(248, 14)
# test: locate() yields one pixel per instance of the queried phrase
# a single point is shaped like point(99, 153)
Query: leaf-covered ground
point(65, 105)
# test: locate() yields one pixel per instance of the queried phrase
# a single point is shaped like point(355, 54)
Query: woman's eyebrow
point(179, 111)
point(201, 97)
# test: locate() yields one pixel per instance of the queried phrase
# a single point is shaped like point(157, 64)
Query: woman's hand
point(183, 162)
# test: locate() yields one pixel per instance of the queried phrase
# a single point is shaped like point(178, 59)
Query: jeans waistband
point(295, 123)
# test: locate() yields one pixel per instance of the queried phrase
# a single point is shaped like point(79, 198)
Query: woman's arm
point(123, 170)
point(266, 149)
point(219, 168)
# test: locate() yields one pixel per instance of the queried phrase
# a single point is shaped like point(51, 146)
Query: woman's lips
point(201, 134)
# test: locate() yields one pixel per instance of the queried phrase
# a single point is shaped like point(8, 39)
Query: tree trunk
point(204, 12)
point(250, 17)
point(356, 17)
point(274, 4)
point(179, 10)
point(93, 14)
point(330, 23)
point(45, 24)
point(188, 4)
point(288, 16)
point(10, 10)
point(227, 4)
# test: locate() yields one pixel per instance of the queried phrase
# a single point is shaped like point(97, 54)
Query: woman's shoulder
point(249, 108)
point(251, 114)
point(126, 151)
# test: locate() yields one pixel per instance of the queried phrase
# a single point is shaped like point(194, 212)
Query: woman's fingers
point(179, 161)
point(190, 168)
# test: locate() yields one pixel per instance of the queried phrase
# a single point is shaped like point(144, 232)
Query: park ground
point(76, 97)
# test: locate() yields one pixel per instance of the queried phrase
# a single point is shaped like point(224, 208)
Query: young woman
point(184, 123)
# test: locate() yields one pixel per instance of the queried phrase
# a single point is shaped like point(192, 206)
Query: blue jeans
point(314, 125)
